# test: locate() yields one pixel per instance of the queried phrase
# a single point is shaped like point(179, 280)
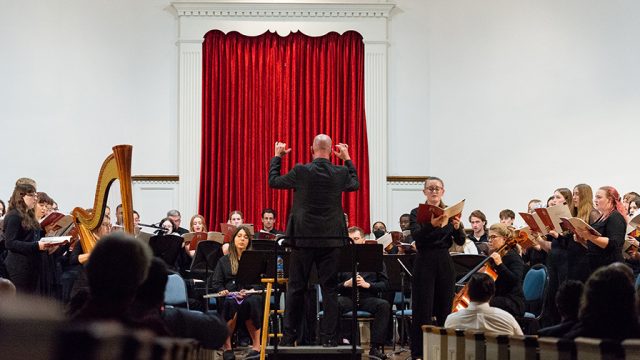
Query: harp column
point(313, 18)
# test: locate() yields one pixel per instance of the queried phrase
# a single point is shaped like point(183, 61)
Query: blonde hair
point(204, 223)
point(584, 207)
point(507, 232)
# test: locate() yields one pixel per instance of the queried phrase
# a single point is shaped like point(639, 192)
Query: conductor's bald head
point(321, 146)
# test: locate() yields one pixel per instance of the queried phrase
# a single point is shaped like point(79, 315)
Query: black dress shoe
point(253, 355)
point(287, 341)
point(228, 355)
point(376, 353)
point(329, 343)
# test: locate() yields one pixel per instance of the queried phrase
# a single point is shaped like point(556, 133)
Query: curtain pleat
point(268, 88)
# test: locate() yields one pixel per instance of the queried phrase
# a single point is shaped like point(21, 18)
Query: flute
point(233, 294)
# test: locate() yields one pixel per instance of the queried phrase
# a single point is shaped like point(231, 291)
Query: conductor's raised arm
point(353, 183)
point(277, 181)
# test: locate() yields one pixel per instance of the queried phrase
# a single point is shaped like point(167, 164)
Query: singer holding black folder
point(316, 211)
point(433, 271)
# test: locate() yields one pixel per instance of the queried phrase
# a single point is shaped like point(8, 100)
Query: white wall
point(508, 100)
point(78, 77)
point(492, 96)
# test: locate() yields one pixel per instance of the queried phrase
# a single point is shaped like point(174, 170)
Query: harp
point(116, 166)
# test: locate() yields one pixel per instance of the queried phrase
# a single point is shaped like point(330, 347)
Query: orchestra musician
point(369, 286)
point(268, 231)
point(316, 211)
point(237, 306)
point(196, 224)
point(22, 237)
point(433, 271)
point(510, 269)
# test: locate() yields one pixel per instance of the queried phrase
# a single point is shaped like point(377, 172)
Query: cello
point(461, 299)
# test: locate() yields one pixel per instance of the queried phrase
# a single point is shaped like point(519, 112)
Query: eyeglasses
point(434, 189)
point(33, 195)
point(493, 237)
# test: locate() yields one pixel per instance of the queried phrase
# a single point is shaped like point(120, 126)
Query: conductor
point(316, 211)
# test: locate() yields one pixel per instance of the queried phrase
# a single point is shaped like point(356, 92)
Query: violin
point(461, 299)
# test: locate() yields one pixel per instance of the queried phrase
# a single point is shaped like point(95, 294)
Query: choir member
point(557, 265)
point(433, 272)
point(612, 225)
point(577, 261)
point(507, 217)
point(22, 237)
point(236, 218)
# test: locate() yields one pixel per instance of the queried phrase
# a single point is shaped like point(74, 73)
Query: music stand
point(463, 263)
point(355, 258)
point(265, 245)
point(167, 248)
point(204, 262)
point(397, 270)
point(257, 264)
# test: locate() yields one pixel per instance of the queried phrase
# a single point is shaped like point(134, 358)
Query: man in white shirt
point(479, 315)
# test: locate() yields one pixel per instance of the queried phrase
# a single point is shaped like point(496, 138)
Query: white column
point(189, 125)
point(375, 83)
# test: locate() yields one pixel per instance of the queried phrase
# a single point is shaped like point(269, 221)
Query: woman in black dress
point(22, 235)
point(612, 225)
point(557, 264)
point(237, 305)
point(577, 260)
point(433, 271)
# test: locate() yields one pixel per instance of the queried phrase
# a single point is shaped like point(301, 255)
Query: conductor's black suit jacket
point(317, 199)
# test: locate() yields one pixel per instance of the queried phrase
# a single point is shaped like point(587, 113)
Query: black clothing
point(577, 262)
point(181, 231)
point(606, 330)
point(613, 227)
point(316, 211)
point(559, 330)
point(558, 267)
point(509, 295)
point(484, 238)
point(532, 257)
point(369, 301)
point(249, 308)
point(433, 276)
point(23, 257)
point(209, 330)
point(317, 199)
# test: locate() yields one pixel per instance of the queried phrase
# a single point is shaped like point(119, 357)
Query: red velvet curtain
point(267, 88)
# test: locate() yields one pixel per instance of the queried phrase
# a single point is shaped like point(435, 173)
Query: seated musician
point(480, 315)
point(510, 268)
point(237, 305)
point(75, 285)
point(370, 285)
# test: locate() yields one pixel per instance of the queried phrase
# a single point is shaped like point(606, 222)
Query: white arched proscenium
point(196, 18)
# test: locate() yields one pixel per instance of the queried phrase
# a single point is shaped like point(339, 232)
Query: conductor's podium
point(314, 353)
point(298, 352)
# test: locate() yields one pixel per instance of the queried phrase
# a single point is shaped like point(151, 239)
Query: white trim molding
point(313, 18)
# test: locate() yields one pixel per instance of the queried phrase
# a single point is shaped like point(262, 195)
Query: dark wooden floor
point(402, 354)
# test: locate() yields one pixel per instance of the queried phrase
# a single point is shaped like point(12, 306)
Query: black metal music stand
point(204, 262)
point(398, 269)
point(167, 248)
